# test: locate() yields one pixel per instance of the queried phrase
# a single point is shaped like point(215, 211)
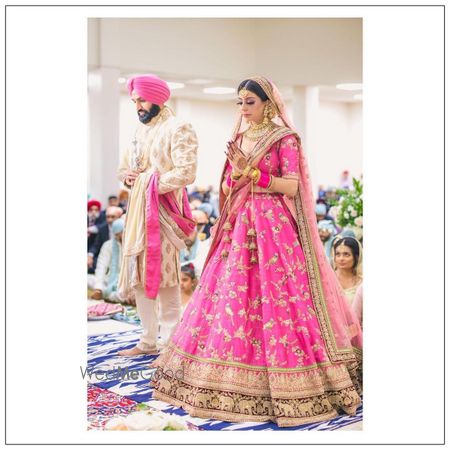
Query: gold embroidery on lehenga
point(221, 386)
point(227, 391)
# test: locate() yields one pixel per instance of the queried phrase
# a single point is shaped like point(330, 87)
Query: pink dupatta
point(183, 225)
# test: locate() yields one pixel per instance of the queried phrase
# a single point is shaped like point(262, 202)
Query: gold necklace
point(354, 281)
point(258, 130)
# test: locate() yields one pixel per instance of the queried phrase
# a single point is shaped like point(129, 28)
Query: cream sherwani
point(168, 146)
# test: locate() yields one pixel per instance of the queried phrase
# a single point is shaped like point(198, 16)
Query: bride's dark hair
point(254, 87)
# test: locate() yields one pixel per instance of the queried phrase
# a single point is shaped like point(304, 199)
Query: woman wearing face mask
point(347, 263)
point(267, 335)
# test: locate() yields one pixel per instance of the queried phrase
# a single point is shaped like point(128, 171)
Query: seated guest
point(113, 200)
point(327, 231)
point(195, 195)
point(207, 194)
point(214, 201)
point(188, 282)
point(322, 213)
point(123, 199)
point(190, 252)
point(103, 234)
point(347, 263)
point(197, 250)
point(108, 266)
point(93, 220)
point(322, 192)
point(207, 209)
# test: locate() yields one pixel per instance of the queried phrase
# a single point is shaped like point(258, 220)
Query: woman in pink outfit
point(267, 335)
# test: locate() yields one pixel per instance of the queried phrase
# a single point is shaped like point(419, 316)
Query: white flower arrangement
point(147, 421)
point(348, 210)
point(333, 212)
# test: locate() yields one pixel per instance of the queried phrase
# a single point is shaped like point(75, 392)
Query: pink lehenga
point(267, 335)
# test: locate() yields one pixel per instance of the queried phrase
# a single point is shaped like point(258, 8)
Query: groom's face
point(142, 106)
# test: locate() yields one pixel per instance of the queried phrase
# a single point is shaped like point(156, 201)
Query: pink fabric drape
point(182, 218)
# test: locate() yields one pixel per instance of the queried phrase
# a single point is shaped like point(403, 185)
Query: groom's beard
point(146, 116)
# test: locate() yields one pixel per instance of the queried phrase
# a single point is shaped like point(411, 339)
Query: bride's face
point(251, 107)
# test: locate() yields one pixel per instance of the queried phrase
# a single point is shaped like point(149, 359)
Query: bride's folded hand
point(236, 157)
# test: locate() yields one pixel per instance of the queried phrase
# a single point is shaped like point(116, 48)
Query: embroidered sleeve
point(184, 157)
point(289, 157)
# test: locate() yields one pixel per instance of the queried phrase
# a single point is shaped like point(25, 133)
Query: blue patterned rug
point(129, 377)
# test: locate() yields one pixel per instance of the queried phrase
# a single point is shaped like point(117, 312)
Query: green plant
point(348, 210)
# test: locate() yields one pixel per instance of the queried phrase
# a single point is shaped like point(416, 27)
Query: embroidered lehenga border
point(237, 392)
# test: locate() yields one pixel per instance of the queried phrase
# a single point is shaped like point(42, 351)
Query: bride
point(267, 334)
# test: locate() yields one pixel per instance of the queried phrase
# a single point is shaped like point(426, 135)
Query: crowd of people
point(105, 227)
point(104, 234)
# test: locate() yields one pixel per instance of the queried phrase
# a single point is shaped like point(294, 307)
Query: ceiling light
point(349, 86)
point(218, 90)
point(174, 85)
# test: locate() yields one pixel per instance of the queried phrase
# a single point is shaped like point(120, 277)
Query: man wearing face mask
point(160, 162)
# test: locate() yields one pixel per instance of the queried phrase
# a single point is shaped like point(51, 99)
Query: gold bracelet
point(246, 171)
point(256, 175)
point(270, 182)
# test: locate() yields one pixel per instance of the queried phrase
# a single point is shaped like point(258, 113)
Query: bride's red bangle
point(264, 180)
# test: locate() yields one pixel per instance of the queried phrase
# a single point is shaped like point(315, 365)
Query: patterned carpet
point(117, 385)
point(104, 404)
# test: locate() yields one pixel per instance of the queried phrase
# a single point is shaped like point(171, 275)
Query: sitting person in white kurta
point(106, 277)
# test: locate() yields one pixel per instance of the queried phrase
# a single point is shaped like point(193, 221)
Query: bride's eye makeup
point(250, 102)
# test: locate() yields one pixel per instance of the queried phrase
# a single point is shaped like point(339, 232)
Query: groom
point(159, 164)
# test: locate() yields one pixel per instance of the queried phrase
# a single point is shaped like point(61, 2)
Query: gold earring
point(269, 111)
point(272, 112)
point(266, 114)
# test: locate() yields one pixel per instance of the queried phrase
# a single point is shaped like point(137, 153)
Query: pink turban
point(150, 88)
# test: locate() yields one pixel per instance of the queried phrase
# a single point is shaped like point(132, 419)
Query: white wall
point(309, 51)
point(336, 140)
point(295, 51)
point(292, 51)
point(336, 143)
